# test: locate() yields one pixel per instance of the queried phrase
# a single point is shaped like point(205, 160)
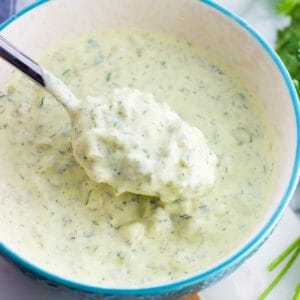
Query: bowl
point(220, 32)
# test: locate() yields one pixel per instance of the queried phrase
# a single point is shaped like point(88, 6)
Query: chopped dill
point(42, 102)
point(88, 197)
point(65, 72)
point(108, 76)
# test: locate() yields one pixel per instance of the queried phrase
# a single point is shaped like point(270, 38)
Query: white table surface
point(250, 279)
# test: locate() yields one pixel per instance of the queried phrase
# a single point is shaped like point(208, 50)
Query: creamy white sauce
point(59, 219)
point(136, 144)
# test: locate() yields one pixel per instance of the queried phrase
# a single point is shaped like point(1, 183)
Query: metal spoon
point(39, 75)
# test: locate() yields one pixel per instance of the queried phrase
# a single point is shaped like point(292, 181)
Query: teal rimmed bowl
point(48, 23)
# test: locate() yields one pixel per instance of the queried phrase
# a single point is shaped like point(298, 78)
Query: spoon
point(129, 140)
point(39, 74)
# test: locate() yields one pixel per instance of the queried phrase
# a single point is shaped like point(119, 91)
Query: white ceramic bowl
point(47, 23)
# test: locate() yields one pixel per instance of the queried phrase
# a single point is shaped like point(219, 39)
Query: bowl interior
point(198, 22)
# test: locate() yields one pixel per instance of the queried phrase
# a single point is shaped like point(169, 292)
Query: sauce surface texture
point(135, 144)
point(56, 217)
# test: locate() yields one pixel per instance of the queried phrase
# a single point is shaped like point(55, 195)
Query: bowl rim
point(241, 253)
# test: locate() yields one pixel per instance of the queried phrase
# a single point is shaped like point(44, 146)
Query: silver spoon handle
point(22, 62)
point(38, 74)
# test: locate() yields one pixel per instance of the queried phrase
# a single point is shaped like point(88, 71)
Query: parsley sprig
point(288, 48)
point(288, 40)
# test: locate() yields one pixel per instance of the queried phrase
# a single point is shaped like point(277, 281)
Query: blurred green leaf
point(288, 40)
point(286, 6)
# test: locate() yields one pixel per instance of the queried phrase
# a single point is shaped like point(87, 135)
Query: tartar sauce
point(136, 144)
point(56, 217)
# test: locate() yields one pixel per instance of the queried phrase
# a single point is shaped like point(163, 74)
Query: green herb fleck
point(10, 100)
point(88, 197)
point(2, 95)
point(42, 102)
point(65, 72)
point(95, 223)
point(108, 76)
point(93, 43)
point(185, 216)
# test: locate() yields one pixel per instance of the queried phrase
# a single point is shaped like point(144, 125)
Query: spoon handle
point(39, 74)
point(22, 62)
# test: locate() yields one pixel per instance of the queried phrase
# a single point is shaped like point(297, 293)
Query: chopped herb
point(11, 89)
point(242, 136)
point(93, 43)
point(88, 197)
point(108, 76)
point(65, 167)
point(241, 96)
point(10, 100)
point(88, 234)
point(65, 72)
point(42, 102)
point(185, 216)
point(2, 95)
